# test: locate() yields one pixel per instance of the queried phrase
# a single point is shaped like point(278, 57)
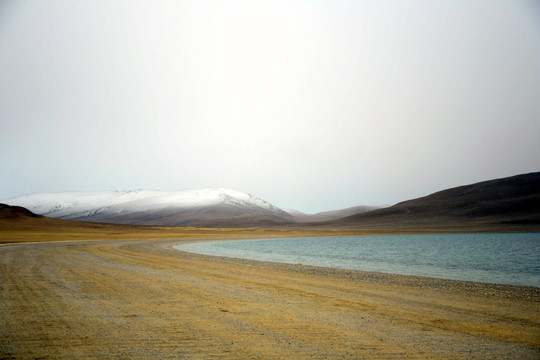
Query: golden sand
point(142, 299)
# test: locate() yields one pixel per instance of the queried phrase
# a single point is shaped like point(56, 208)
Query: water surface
point(495, 258)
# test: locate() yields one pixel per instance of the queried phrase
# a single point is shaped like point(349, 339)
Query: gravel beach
point(144, 299)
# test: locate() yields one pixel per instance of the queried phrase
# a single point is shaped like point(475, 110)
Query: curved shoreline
point(482, 288)
point(145, 299)
point(350, 271)
point(443, 284)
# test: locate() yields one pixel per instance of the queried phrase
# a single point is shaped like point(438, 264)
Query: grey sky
point(312, 105)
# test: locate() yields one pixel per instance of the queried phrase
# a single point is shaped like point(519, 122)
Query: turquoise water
point(494, 258)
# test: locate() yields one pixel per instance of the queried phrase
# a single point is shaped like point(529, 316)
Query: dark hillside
point(15, 212)
point(512, 200)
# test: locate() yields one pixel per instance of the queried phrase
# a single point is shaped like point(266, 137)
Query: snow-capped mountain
point(205, 207)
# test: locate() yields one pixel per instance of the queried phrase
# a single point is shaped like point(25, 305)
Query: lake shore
point(144, 299)
point(494, 258)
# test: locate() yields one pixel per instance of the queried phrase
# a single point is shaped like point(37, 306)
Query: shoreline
point(144, 299)
point(528, 292)
point(335, 269)
point(523, 291)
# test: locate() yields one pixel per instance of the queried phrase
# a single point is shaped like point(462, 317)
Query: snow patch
point(74, 205)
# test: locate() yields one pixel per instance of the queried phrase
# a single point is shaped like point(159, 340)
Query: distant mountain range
point(330, 215)
point(201, 207)
point(511, 203)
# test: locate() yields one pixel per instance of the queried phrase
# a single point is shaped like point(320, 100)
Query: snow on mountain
point(149, 206)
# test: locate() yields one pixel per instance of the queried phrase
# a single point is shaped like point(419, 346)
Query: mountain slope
point(15, 212)
point(512, 200)
point(330, 215)
point(204, 207)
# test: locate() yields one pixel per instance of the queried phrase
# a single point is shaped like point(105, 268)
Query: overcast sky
point(310, 105)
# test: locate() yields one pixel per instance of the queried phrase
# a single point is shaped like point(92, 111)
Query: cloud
point(310, 105)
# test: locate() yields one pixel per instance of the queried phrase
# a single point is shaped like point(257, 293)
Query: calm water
point(494, 258)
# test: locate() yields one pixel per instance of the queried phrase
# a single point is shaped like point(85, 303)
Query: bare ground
point(128, 299)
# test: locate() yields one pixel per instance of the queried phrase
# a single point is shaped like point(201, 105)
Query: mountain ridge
point(510, 200)
point(511, 203)
point(200, 207)
point(331, 214)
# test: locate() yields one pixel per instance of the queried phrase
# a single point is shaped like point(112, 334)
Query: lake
point(494, 258)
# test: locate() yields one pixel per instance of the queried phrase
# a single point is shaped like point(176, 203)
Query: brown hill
point(15, 212)
point(513, 202)
point(15, 219)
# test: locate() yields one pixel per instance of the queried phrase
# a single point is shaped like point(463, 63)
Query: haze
point(311, 105)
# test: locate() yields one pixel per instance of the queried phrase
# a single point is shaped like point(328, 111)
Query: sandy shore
point(144, 299)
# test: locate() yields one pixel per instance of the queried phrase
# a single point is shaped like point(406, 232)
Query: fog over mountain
point(331, 215)
point(494, 204)
point(311, 105)
point(213, 207)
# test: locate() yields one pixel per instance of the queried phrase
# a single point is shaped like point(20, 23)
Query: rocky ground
point(143, 299)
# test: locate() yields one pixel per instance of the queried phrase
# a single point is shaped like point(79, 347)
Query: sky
point(310, 105)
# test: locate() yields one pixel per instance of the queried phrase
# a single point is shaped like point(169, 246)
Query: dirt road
point(143, 299)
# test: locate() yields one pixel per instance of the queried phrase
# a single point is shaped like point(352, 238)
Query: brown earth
point(125, 299)
point(500, 205)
